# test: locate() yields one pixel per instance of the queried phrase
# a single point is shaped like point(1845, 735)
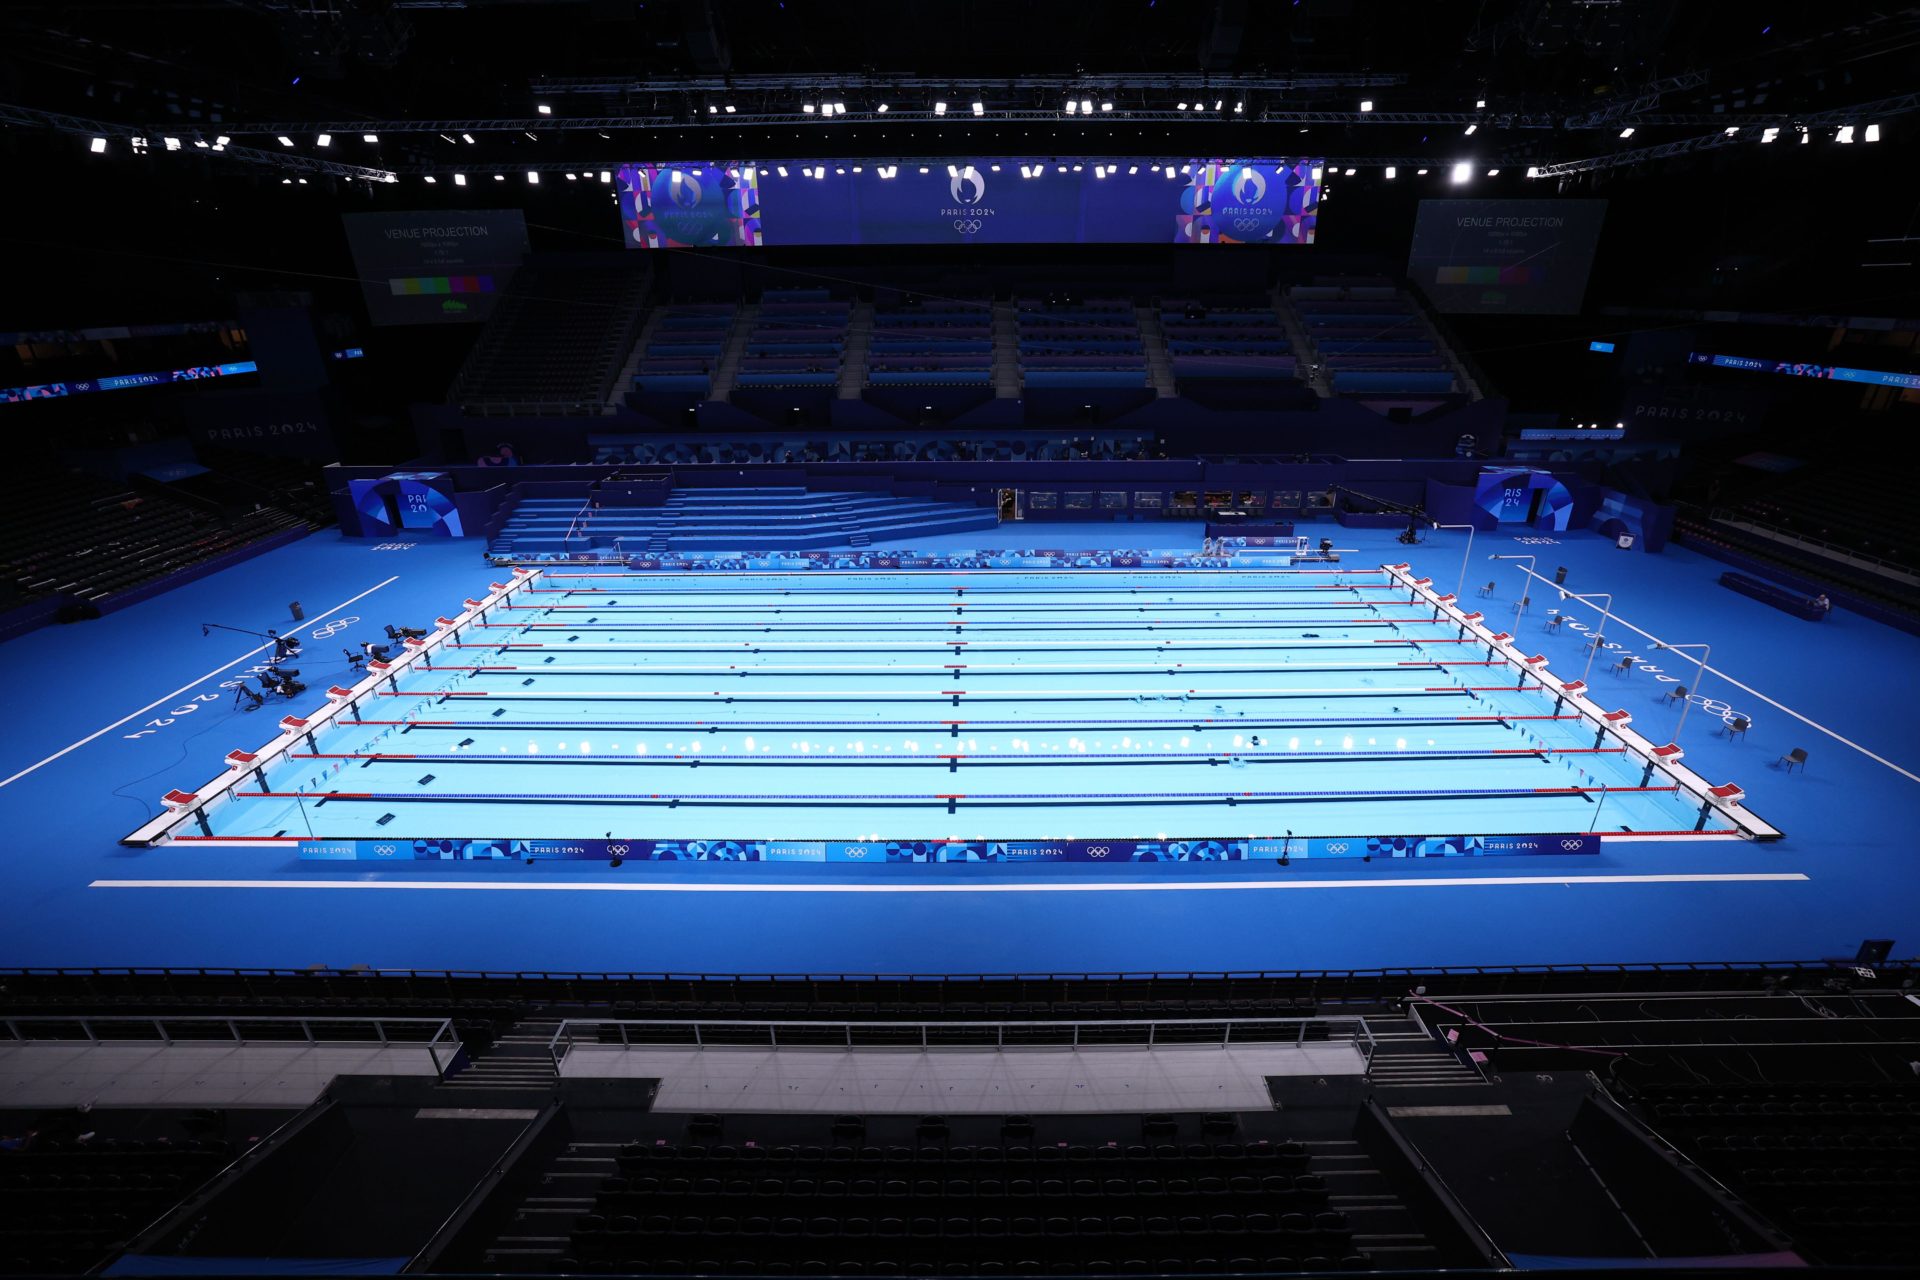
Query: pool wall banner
point(1258, 849)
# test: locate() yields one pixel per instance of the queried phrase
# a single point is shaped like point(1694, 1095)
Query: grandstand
point(1095, 641)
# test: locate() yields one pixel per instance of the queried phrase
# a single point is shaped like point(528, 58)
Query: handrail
point(19, 1029)
point(942, 1035)
point(1728, 516)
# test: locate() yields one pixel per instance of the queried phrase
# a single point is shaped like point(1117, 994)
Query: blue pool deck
point(109, 715)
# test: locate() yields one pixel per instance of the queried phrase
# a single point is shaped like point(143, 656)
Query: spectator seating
point(1374, 344)
point(1074, 342)
point(1849, 512)
point(1214, 340)
point(72, 534)
point(1806, 570)
point(682, 349)
point(798, 339)
point(943, 342)
point(556, 338)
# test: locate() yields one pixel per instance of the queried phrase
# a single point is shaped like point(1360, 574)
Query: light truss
point(283, 160)
point(839, 86)
point(1861, 113)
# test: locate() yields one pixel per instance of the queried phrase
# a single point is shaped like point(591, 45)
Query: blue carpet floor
point(119, 686)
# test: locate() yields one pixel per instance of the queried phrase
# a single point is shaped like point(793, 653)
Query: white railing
point(184, 807)
point(436, 1035)
point(923, 1037)
point(1573, 694)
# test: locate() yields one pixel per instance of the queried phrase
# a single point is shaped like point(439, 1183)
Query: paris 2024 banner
point(1004, 200)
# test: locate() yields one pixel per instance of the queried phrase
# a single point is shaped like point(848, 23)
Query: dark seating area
point(1841, 509)
point(556, 339)
point(967, 1195)
point(71, 1195)
point(1799, 568)
point(1836, 1167)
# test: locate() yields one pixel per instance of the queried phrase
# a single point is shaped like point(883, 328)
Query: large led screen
point(433, 267)
point(1004, 200)
point(1519, 257)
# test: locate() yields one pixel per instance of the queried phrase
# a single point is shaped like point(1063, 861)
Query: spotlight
point(1732, 129)
point(1768, 135)
point(533, 177)
point(839, 108)
point(881, 109)
point(1392, 172)
point(1845, 135)
point(1366, 104)
point(459, 179)
point(467, 138)
point(172, 144)
point(605, 176)
point(285, 141)
point(1108, 106)
point(1471, 128)
point(1181, 107)
point(1218, 103)
point(1420, 173)
point(1133, 168)
point(1480, 103)
point(324, 140)
point(1533, 171)
point(807, 108)
point(544, 109)
point(939, 108)
point(780, 169)
point(98, 146)
point(365, 137)
point(1493, 173)
point(713, 109)
point(979, 108)
point(1238, 107)
point(1627, 132)
point(1351, 172)
point(499, 177)
point(1462, 171)
point(1873, 133)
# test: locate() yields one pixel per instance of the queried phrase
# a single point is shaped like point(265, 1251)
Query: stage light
point(1480, 103)
point(1462, 171)
point(1106, 106)
point(856, 168)
point(1805, 137)
point(839, 108)
point(172, 144)
point(431, 180)
point(1392, 172)
point(1420, 173)
point(1351, 172)
point(544, 109)
point(1238, 107)
point(1732, 129)
point(994, 167)
point(1873, 133)
point(285, 141)
point(1133, 168)
point(365, 137)
point(198, 142)
point(1533, 171)
point(881, 109)
point(1169, 171)
point(1099, 171)
point(979, 108)
point(1471, 128)
point(302, 181)
point(780, 169)
point(499, 177)
point(713, 109)
point(98, 146)
point(1768, 135)
point(1077, 168)
point(605, 176)
point(1619, 426)
point(1493, 173)
point(1072, 106)
point(324, 140)
point(807, 108)
point(924, 169)
point(533, 177)
point(1366, 104)
point(1218, 103)
point(459, 179)
point(1627, 132)
point(939, 108)
point(1060, 168)
point(1845, 135)
point(287, 182)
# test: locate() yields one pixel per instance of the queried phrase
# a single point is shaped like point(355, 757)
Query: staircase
point(727, 368)
point(853, 362)
point(1159, 364)
point(623, 383)
point(1006, 351)
point(1305, 359)
point(519, 1059)
point(1407, 1057)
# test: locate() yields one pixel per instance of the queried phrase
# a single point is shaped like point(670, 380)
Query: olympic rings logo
point(967, 226)
point(333, 628)
point(384, 850)
point(1337, 847)
point(856, 853)
point(617, 850)
point(1573, 844)
point(1249, 224)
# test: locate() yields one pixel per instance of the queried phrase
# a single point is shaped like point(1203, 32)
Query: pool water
point(957, 705)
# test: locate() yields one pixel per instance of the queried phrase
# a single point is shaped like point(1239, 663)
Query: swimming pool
point(1326, 711)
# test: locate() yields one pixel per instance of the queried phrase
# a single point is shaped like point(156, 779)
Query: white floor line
point(191, 684)
point(1136, 886)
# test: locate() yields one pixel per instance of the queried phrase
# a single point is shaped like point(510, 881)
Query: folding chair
point(1797, 756)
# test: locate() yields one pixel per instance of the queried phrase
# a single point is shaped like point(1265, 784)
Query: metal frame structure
point(286, 159)
point(19, 1029)
point(924, 1037)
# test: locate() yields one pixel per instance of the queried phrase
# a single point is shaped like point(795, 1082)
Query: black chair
point(1795, 757)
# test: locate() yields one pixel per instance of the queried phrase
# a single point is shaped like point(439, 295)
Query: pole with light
point(1525, 591)
point(1460, 590)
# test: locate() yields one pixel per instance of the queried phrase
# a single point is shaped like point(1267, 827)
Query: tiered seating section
point(1373, 342)
point(798, 340)
point(1852, 512)
point(1019, 1196)
point(1091, 342)
point(948, 342)
point(1214, 340)
point(683, 349)
point(729, 520)
point(556, 339)
point(78, 536)
point(68, 1202)
point(1836, 1166)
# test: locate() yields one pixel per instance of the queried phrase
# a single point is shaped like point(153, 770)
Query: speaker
point(1874, 952)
